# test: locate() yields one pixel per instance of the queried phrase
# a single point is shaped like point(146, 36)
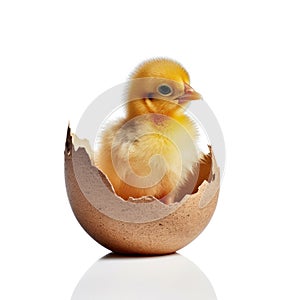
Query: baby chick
point(153, 150)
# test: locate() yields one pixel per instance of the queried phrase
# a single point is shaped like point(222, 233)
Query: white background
point(243, 56)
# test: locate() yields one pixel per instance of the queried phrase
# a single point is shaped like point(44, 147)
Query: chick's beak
point(189, 94)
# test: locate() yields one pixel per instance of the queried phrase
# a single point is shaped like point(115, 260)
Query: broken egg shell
point(142, 227)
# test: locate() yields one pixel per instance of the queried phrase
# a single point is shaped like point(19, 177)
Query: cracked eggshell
point(142, 226)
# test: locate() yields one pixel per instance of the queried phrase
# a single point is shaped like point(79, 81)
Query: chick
point(153, 150)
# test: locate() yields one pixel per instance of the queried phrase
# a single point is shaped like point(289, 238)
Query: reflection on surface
point(160, 277)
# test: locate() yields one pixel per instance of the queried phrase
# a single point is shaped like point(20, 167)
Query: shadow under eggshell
point(143, 226)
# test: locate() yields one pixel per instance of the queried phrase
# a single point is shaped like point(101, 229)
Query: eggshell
point(143, 226)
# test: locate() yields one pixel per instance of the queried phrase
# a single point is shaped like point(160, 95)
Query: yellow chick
point(153, 150)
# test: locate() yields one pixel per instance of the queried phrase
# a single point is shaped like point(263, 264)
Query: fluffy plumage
point(153, 150)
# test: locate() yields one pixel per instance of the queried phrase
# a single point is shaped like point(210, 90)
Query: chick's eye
point(165, 90)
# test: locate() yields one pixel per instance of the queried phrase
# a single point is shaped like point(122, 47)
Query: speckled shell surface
point(142, 226)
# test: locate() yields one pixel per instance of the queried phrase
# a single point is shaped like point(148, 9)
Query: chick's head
point(159, 86)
